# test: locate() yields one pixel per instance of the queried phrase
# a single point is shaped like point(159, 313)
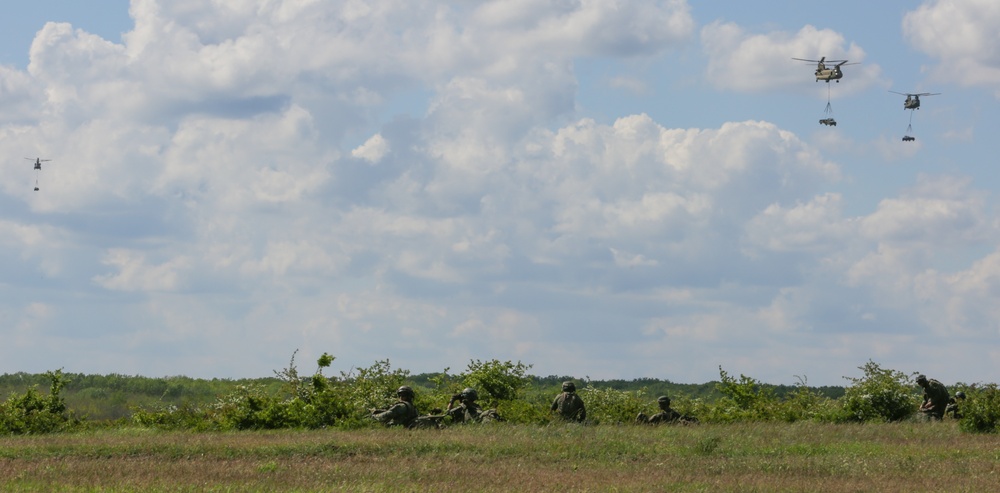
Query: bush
point(173, 417)
point(364, 389)
point(308, 402)
point(303, 402)
point(881, 395)
point(532, 411)
point(804, 403)
point(500, 384)
point(496, 381)
point(745, 399)
point(981, 409)
point(610, 406)
point(32, 413)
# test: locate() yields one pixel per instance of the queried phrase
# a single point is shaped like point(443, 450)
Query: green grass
point(739, 457)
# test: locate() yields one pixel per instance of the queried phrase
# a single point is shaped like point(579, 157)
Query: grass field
point(741, 457)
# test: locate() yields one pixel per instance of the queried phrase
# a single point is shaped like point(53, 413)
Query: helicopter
point(913, 100)
point(827, 74)
point(38, 167)
point(911, 103)
point(38, 162)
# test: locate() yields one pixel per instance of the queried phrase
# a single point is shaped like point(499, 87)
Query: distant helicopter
point(911, 103)
point(38, 168)
point(827, 74)
point(913, 100)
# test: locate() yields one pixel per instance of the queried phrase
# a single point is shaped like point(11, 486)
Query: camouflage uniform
point(402, 413)
point(666, 415)
point(569, 405)
point(935, 398)
point(953, 405)
point(466, 412)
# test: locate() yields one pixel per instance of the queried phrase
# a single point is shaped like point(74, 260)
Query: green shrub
point(173, 417)
point(302, 402)
point(496, 381)
point(881, 395)
point(981, 409)
point(610, 406)
point(33, 413)
point(805, 404)
point(533, 410)
point(745, 399)
point(364, 389)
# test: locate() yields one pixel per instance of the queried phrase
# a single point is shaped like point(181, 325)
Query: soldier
point(935, 398)
point(569, 405)
point(953, 405)
point(402, 413)
point(467, 411)
point(666, 414)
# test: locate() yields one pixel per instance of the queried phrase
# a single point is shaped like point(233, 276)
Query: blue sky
point(596, 188)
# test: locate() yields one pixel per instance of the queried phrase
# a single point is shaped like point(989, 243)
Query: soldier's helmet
point(470, 394)
point(405, 391)
point(921, 378)
point(960, 395)
point(663, 399)
point(569, 387)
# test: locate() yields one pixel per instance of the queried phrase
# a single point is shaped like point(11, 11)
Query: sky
point(601, 189)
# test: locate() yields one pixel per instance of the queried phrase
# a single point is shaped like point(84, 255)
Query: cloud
point(937, 211)
point(372, 150)
point(962, 36)
point(17, 95)
point(135, 274)
point(816, 225)
point(234, 180)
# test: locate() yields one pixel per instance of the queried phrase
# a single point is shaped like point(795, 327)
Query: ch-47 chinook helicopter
point(827, 74)
point(911, 103)
point(913, 100)
point(38, 168)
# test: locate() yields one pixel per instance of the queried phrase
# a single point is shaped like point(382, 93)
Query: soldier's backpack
point(570, 406)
